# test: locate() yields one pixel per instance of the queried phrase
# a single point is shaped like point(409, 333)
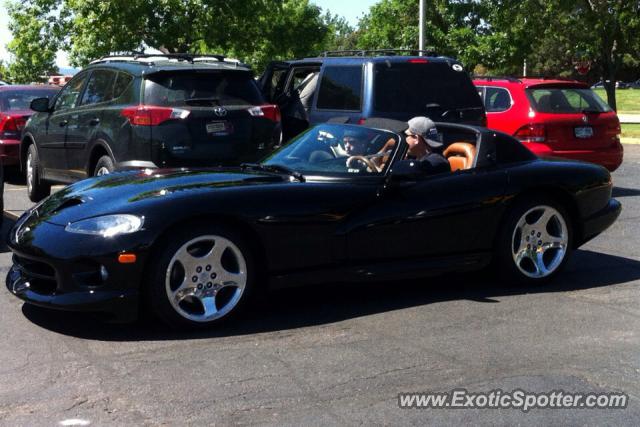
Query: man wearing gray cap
point(423, 146)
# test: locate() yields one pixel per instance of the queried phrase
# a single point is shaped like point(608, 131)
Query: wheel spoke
point(187, 260)
point(226, 278)
point(544, 219)
point(538, 262)
point(209, 304)
point(215, 255)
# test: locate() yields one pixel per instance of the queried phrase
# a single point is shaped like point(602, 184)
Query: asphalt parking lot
point(339, 355)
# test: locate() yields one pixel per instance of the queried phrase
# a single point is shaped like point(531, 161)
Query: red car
point(556, 118)
point(14, 113)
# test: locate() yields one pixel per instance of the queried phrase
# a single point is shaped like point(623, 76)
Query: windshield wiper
point(275, 168)
point(202, 101)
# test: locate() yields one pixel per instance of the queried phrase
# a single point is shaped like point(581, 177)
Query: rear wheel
point(104, 166)
point(535, 242)
point(204, 276)
point(37, 188)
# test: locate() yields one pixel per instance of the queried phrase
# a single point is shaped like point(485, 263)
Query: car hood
point(120, 192)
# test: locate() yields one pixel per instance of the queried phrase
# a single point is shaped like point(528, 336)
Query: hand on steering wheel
point(371, 167)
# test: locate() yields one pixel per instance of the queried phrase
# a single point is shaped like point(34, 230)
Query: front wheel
point(535, 242)
point(205, 276)
point(37, 188)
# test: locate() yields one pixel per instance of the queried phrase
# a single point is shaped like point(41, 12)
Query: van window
point(341, 88)
point(422, 88)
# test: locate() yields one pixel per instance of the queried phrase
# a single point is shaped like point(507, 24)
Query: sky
point(352, 10)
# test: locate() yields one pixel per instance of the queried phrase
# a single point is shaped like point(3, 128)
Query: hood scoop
point(68, 203)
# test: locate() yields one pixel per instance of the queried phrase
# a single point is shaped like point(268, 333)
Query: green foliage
point(36, 32)
point(254, 30)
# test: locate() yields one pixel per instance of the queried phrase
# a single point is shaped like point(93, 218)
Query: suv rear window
point(566, 100)
point(16, 100)
point(198, 88)
point(410, 87)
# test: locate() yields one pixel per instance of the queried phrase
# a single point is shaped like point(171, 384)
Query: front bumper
point(600, 221)
point(56, 269)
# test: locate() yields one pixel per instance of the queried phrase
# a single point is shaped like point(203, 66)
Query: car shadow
point(625, 192)
point(14, 176)
point(312, 306)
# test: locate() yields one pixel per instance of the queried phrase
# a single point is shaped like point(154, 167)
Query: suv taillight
point(531, 133)
point(150, 115)
point(11, 126)
point(268, 111)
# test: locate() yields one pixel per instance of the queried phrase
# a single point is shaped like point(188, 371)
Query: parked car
point(197, 244)
point(360, 84)
point(3, 83)
point(147, 111)
point(14, 113)
point(635, 85)
point(554, 118)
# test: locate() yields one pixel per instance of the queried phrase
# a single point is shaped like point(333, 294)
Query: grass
point(628, 100)
point(630, 131)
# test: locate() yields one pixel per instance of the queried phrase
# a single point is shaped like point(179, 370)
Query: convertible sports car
point(338, 203)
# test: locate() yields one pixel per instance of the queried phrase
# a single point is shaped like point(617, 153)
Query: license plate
point(583, 132)
point(219, 128)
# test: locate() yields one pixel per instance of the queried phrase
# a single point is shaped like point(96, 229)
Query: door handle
point(63, 123)
point(94, 121)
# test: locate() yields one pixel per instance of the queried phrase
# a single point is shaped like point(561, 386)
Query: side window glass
point(99, 87)
point(277, 81)
point(497, 99)
point(69, 96)
point(341, 88)
point(122, 82)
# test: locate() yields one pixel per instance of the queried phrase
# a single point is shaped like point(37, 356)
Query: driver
point(355, 144)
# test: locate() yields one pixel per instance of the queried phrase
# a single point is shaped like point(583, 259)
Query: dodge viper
point(338, 203)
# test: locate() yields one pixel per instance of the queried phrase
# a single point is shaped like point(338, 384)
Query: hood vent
point(67, 204)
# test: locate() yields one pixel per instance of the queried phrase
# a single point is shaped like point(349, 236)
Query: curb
point(12, 215)
point(634, 141)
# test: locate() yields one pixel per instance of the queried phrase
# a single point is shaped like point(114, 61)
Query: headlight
point(107, 226)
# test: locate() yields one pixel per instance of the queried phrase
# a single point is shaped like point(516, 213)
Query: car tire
point(104, 166)
point(204, 276)
point(37, 188)
point(535, 242)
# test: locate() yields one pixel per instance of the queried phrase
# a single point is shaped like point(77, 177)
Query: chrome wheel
point(539, 241)
point(102, 171)
point(206, 278)
point(29, 168)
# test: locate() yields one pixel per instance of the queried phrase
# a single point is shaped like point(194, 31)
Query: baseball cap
point(424, 127)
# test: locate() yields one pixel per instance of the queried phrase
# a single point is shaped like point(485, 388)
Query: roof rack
point(151, 58)
point(492, 78)
point(377, 52)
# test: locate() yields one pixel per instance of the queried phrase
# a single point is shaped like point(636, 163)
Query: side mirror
point(40, 105)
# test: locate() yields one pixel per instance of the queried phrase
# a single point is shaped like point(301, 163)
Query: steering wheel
point(371, 167)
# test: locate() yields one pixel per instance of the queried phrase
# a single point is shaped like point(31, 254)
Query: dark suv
point(147, 111)
point(357, 85)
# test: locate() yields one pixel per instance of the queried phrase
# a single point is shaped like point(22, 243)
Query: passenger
point(423, 146)
point(355, 144)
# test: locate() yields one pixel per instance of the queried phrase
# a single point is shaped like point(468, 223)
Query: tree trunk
point(610, 87)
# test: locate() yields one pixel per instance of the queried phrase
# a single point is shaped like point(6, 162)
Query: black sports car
point(339, 202)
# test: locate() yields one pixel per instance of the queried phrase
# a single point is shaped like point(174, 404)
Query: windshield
point(337, 150)
point(566, 100)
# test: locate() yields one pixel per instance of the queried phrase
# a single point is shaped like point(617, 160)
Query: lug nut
point(209, 284)
point(194, 279)
point(528, 246)
point(214, 275)
point(208, 268)
point(200, 286)
point(199, 270)
point(539, 234)
point(533, 232)
point(527, 238)
point(539, 242)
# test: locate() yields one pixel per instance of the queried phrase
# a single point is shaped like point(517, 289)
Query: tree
point(36, 34)
point(254, 30)
point(452, 27)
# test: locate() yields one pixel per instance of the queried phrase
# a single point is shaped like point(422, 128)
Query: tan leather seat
point(460, 155)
